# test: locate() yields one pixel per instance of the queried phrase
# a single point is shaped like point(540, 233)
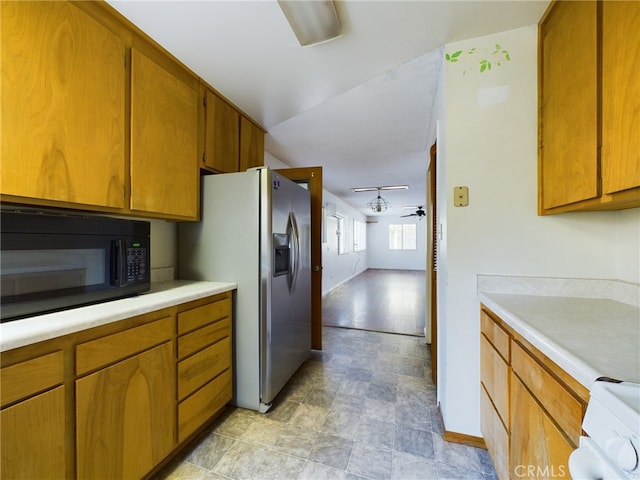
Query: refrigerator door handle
point(294, 250)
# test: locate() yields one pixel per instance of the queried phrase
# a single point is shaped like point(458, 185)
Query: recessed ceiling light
point(312, 21)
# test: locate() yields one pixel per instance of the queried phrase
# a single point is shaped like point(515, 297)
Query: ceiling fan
point(418, 213)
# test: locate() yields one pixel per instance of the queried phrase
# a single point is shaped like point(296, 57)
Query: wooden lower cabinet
point(539, 449)
point(119, 400)
point(205, 380)
point(125, 416)
point(531, 410)
point(496, 436)
point(494, 392)
point(33, 418)
point(32, 437)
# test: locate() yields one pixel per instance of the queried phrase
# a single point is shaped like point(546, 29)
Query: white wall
point(336, 269)
point(488, 141)
point(164, 238)
point(379, 255)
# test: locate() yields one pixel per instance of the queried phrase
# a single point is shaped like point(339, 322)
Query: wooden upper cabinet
point(63, 106)
point(221, 134)
point(589, 156)
point(620, 96)
point(164, 168)
point(569, 131)
point(251, 145)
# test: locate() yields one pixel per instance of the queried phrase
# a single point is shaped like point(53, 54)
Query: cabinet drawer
point(494, 373)
point(30, 377)
point(109, 349)
point(197, 317)
point(495, 436)
point(561, 405)
point(198, 339)
point(198, 369)
point(202, 405)
point(495, 334)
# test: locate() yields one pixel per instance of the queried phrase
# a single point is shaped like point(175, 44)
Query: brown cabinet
point(620, 97)
point(531, 409)
point(229, 141)
point(588, 159)
point(495, 376)
point(125, 411)
point(540, 447)
point(63, 106)
point(164, 169)
point(221, 134)
point(73, 73)
point(33, 419)
point(251, 145)
point(204, 363)
point(117, 400)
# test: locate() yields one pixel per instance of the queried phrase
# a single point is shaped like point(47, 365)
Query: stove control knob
point(623, 452)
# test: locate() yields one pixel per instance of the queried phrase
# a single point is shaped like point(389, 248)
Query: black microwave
point(54, 260)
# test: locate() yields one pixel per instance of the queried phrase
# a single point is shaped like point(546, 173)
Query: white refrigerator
point(256, 231)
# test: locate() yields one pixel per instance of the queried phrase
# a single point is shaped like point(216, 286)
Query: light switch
point(460, 196)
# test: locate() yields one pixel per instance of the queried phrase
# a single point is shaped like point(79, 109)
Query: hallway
point(362, 408)
point(391, 301)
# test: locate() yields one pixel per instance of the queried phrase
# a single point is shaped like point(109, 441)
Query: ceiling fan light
point(312, 21)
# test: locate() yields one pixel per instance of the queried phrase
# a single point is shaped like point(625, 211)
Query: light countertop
point(589, 337)
point(30, 330)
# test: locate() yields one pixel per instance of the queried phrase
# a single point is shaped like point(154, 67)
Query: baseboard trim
point(324, 294)
point(455, 437)
point(470, 440)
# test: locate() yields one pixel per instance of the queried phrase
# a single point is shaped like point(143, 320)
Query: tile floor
point(363, 408)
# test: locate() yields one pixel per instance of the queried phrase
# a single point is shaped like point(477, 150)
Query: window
point(402, 237)
point(341, 232)
point(359, 236)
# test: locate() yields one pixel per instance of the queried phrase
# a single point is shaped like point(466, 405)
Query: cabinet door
point(496, 436)
point(620, 96)
point(164, 168)
point(32, 437)
point(569, 129)
point(251, 145)
point(63, 105)
point(126, 416)
point(538, 448)
point(222, 135)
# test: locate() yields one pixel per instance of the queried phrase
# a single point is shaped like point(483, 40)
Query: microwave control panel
point(136, 262)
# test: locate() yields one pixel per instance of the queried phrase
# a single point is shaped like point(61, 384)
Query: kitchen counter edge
point(27, 331)
point(580, 370)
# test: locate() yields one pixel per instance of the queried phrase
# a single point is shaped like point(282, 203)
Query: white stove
point(612, 423)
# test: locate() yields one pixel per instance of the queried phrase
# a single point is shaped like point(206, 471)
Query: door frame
point(312, 176)
point(433, 262)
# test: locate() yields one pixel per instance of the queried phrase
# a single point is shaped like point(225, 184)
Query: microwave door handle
point(118, 264)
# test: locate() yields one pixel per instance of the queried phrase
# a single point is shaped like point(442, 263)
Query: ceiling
point(360, 106)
